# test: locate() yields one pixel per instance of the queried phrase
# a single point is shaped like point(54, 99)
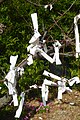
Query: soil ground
point(68, 109)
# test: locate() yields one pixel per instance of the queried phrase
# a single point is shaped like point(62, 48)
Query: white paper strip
point(76, 18)
point(73, 80)
point(45, 55)
point(46, 6)
point(35, 25)
point(56, 59)
point(50, 5)
point(68, 89)
point(12, 91)
point(77, 80)
point(51, 75)
point(59, 90)
point(33, 50)
point(30, 60)
point(29, 47)
point(33, 86)
point(43, 100)
point(34, 37)
point(45, 92)
point(13, 60)
point(19, 110)
point(34, 21)
point(11, 81)
point(62, 88)
point(10, 88)
point(63, 85)
point(20, 70)
point(49, 83)
point(15, 100)
point(11, 76)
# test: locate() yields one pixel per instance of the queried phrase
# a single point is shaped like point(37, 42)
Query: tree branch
point(62, 15)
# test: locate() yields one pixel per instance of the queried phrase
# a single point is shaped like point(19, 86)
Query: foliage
point(16, 16)
point(42, 108)
point(33, 74)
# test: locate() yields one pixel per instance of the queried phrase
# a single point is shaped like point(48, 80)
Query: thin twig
point(58, 26)
point(39, 5)
point(62, 15)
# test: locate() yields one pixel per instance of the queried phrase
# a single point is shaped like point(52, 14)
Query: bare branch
point(62, 15)
point(40, 5)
